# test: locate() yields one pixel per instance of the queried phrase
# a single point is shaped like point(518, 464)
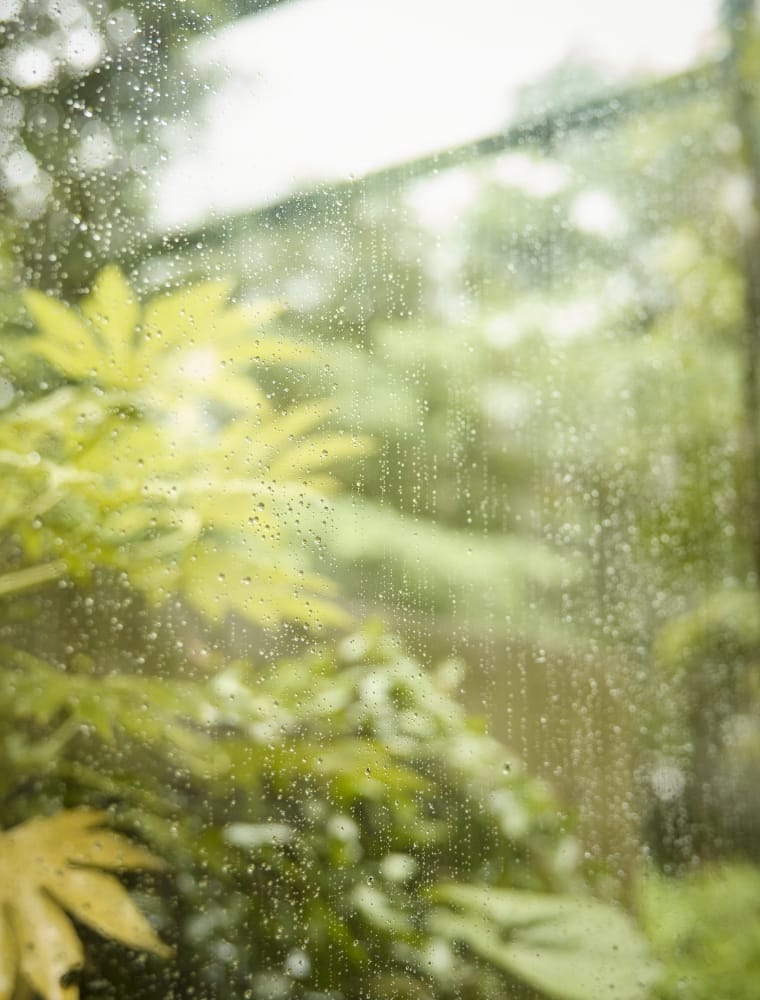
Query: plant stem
point(30, 576)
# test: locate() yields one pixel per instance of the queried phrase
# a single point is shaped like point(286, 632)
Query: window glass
point(379, 500)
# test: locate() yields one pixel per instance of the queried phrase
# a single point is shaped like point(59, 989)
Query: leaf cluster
point(157, 456)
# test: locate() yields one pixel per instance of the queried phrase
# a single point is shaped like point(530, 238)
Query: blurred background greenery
point(552, 338)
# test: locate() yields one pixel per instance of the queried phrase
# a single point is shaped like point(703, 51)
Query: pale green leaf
point(377, 910)
point(30, 576)
point(316, 452)
point(728, 617)
point(571, 948)
point(298, 421)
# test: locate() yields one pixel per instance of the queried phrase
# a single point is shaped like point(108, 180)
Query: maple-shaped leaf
point(51, 866)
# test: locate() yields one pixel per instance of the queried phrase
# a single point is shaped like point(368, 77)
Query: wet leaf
point(572, 948)
point(45, 873)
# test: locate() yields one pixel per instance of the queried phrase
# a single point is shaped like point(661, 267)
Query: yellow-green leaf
point(41, 878)
point(182, 319)
point(114, 312)
point(66, 341)
point(57, 321)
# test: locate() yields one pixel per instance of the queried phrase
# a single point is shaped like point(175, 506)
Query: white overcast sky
point(323, 89)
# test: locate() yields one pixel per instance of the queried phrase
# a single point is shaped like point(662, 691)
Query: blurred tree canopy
point(89, 94)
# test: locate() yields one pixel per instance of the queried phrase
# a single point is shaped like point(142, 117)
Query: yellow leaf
point(8, 959)
point(41, 877)
point(48, 947)
point(106, 849)
point(102, 902)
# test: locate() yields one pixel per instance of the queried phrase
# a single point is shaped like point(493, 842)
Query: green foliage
point(84, 125)
point(321, 813)
point(726, 623)
point(159, 456)
point(706, 930)
point(707, 725)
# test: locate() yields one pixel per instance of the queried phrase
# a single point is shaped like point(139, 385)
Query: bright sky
point(323, 89)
